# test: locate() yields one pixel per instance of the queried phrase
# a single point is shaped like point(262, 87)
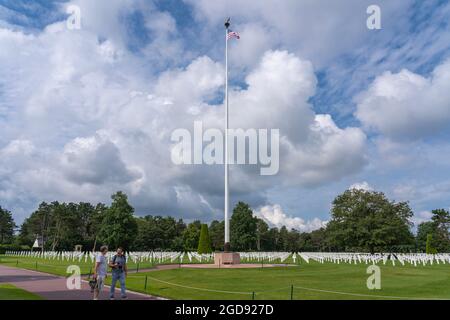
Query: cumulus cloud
point(274, 216)
point(407, 106)
point(256, 40)
point(329, 154)
point(279, 87)
point(197, 82)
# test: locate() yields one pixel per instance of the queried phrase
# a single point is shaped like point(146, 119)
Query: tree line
point(364, 221)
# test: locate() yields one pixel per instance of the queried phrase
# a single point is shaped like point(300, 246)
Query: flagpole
point(227, 222)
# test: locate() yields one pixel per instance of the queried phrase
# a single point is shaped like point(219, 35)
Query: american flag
point(232, 34)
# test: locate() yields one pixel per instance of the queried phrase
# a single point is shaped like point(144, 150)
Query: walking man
point(101, 267)
point(119, 272)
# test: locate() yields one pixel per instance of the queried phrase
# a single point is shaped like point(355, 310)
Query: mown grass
point(10, 292)
point(305, 281)
point(344, 280)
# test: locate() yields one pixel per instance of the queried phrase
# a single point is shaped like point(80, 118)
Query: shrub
point(13, 247)
point(204, 244)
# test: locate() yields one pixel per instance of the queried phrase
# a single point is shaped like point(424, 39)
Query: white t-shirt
point(102, 268)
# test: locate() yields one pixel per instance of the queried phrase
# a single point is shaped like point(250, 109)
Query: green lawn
point(10, 292)
point(309, 281)
point(431, 282)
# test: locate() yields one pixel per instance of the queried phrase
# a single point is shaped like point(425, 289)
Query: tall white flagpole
point(227, 222)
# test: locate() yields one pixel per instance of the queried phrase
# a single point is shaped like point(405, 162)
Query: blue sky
point(85, 112)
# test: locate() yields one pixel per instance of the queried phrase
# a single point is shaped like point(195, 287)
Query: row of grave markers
point(268, 257)
point(355, 258)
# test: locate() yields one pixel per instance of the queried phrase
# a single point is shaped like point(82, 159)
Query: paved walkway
point(53, 287)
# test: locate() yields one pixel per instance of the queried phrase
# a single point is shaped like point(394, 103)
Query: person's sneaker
point(124, 297)
point(112, 298)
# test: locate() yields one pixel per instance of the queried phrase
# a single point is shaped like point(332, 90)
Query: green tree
point(423, 230)
point(119, 226)
point(217, 234)
point(273, 240)
point(159, 233)
point(430, 249)
point(293, 241)
point(7, 226)
point(262, 229)
point(319, 239)
point(38, 224)
point(63, 225)
point(150, 234)
point(305, 242)
point(366, 220)
point(140, 242)
point(94, 224)
point(178, 241)
point(191, 236)
point(438, 229)
point(178, 244)
point(67, 225)
point(204, 243)
point(284, 239)
point(243, 228)
point(441, 235)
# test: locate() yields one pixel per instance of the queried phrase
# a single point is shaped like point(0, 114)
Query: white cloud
point(407, 106)
point(96, 160)
point(15, 147)
point(277, 96)
point(329, 153)
point(255, 41)
point(103, 18)
point(274, 215)
point(198, 81)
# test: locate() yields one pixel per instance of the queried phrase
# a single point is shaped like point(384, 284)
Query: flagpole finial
point(227, 23)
